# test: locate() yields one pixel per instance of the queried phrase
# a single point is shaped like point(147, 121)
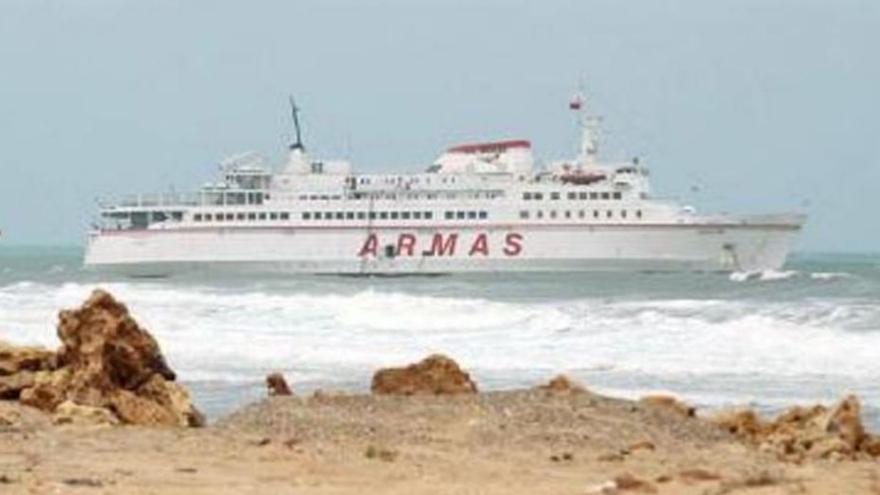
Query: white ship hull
point(740, 246)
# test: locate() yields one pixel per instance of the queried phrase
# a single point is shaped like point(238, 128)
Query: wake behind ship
point(481, 207)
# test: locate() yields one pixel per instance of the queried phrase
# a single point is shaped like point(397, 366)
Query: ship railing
point(160, 199)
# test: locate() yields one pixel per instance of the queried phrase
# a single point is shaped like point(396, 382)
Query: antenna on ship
point(294, 112)
point(590, 126)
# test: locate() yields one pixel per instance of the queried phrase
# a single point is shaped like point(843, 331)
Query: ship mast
point(590, 127)
point(294, 112)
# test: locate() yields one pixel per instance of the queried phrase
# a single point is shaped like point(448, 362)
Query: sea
point(807, 334)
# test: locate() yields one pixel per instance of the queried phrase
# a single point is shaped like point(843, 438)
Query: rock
point(740, 422)
point(69, 412)
point(562, 385)
point(628, 482)
point(697, 474)
point(806, 432)
point(277, 385)
point(48, 391)
point(642, 445)
point(12, 385)
point(669, 403)
point(436, 375)
point(108, 361)
point(14, 359)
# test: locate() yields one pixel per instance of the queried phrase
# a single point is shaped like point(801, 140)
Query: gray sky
point(767, 105)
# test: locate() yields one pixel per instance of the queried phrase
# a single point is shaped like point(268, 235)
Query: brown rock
point(70, 413)
point(436, 374)
point(845, 421)
point(642, 445)
point(741, 422)
point(12, 385)
point(562, 385)
point(108, 361)
point(670, 403)
point(14, 359)
point(628, 482)
point(698, 474)
point(277, 385)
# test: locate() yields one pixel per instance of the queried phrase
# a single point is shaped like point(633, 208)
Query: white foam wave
point(223, 335)
point(764, 276)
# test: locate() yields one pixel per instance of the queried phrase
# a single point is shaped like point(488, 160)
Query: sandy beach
point(526, 441)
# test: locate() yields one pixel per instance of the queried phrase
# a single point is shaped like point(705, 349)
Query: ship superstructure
point(478, 207)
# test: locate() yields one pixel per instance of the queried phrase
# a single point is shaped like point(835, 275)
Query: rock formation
point(669, 403)
point(277, 385)
point(106, 361)
point(434, 375)
point(806, 432)
point(562, 385)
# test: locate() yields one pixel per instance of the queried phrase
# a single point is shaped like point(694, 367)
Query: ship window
point(449, 215)
point(240, 216)
point(230, 216)
point(404, 215)
point(554, 195)
point(349, 215)
point(606, 195)
point(582, 195)
point(262, 216)
point(429, 215)
point(340, 215)
point(539, 195)
point(285, 215)
point(617, 195)
point(483, 215)
point(273, 216)
point(459, 215)
point(524, 214)
point(572, 195)
point(417, 215)
point(609, 214)
point(318, 215)
point(567, 214)
point(552, 213)
point(638, 213)
point(362, 215)
point(303, 197)
point(595, 213)
point(623, 213)
point(472, 215)
point(594, 195)
point(394, 215)
point(306, 215)
point(383, 215)
point(208, 217)
point(527, 196)
point(219, 217)
point(197, 217)
point(539, 213)
point(372, 215)
point(252, 216)
point(581, 214)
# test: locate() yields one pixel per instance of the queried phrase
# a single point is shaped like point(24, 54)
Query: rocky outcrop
point(806, 432)
point(669, 403)
point(16, 359)
point(106, 361)
point(434, 375)
point(562, 385)
point(277, 385)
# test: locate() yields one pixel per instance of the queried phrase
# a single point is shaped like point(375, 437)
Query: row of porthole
point(582, 195)
point(597, 214)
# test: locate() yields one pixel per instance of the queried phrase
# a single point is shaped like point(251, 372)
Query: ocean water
point(807, 334)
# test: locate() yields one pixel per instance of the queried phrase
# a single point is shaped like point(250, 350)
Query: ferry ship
point(482, 207)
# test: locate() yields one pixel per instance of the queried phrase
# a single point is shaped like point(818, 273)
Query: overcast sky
point(764, 105)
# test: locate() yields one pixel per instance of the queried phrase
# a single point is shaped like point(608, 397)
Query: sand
point(517, 442)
